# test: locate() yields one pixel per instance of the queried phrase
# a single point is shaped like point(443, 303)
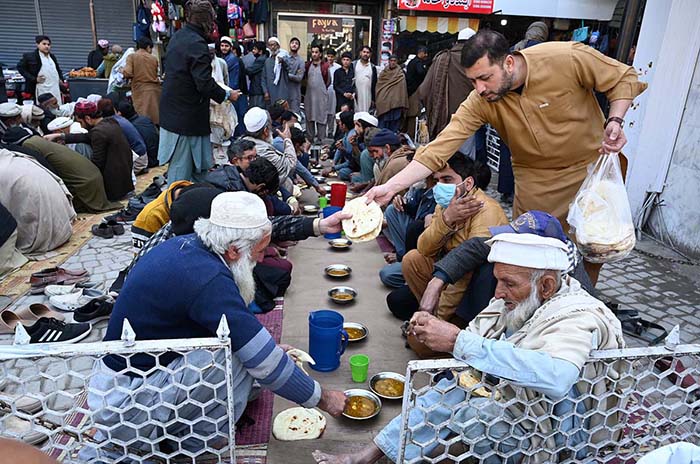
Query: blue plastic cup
point(330, 211)
point(327, 339)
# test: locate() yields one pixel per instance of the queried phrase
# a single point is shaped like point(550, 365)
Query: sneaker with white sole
point(96, 310)
point(55, 290)
point(73, 301)
point(50, 330)
point(20, 429)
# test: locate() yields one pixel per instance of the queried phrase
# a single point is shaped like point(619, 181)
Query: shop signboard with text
point(450, 6)
point(325, 25)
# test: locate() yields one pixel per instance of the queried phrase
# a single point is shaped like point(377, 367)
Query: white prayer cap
point(76, 128)
point(238, 210)
point(465, 34)
point(255, 119)
point(337, 115)
point(274, 39)
point(211, 46)
point(529, 250)
point(226, 39)
point(366, 117)
point(59, 123)
point(9, 110)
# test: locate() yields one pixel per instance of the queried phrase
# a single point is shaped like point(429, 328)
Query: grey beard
point(242, 271)
point(523, 311)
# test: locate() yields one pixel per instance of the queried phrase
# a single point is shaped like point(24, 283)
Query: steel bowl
point(335, 292)
point(315, 171)
point(366, 394)
point(310, 209)
point(386, 375)
point(320, 179)
point(340, 243)
point(358, 326)
point(338, 271)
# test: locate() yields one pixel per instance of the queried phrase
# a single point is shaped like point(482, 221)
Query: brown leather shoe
point(57, 278)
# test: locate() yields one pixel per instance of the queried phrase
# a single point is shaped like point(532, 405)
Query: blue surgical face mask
point(443, 193)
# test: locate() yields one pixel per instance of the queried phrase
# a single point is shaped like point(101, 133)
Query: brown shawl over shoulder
point(391, 90)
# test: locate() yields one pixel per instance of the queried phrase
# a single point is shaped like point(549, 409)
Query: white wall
point(679, 217)
point(664, 146)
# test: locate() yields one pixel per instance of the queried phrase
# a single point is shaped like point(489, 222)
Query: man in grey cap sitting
point(10, 116)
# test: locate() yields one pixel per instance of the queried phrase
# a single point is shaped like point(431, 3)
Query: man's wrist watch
point(620, 121)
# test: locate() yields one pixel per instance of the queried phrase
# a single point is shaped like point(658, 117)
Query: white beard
point(517, 317)
point(242, 271)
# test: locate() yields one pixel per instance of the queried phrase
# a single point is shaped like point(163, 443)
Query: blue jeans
point(469, 421)
point(391, 275)
point(366, 168)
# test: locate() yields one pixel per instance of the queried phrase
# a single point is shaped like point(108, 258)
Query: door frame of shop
point(306, 15)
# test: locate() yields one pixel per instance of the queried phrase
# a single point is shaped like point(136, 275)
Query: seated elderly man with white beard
point(180, 290)
point(537, 333)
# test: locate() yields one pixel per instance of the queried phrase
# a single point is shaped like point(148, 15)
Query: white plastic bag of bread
point(600, 215)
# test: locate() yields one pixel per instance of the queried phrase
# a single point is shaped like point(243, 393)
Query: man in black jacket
point(40, 69)
point(416, 71)
point(187, 89)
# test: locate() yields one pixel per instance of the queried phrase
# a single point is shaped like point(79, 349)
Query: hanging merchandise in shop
point(388, 28)
point(449, 6)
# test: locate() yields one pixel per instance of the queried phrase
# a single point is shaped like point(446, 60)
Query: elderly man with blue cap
point(537, 333)
point(388, 157)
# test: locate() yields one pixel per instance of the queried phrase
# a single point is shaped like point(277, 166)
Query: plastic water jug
point(330, 211)
point(327, 339)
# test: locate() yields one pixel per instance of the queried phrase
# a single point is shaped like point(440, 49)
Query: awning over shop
point(436, 24)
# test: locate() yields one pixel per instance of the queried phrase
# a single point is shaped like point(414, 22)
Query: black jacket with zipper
point(188, 85)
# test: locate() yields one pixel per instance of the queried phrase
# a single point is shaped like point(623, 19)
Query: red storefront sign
point(450, 6)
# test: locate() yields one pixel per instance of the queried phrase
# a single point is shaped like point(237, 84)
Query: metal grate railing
point(493, 148)
point(65, 400)
point(628, 402)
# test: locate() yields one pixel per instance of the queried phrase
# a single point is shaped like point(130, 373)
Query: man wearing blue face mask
point(452, 223)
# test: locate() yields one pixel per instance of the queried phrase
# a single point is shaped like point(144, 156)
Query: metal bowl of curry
point(340, 243)
point(338, 271)
point(362, 404)
point(388, 385)
point(356, 331)
point(342, 295)
point(310, 209)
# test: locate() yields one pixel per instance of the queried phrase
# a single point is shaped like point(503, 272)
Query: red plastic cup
point(338, 192)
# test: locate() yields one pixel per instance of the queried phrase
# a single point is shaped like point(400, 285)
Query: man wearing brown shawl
point(445, 86)
point(392, 96)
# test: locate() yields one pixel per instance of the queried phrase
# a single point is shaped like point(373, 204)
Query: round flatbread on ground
point(298, 424)
point(366, 221)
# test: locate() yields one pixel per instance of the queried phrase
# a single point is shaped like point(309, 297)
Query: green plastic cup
point(322, 202)
point(359, 365)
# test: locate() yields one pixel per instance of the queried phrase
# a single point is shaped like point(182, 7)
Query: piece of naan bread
point(366, 221)
point(298, 424)
point(468, 381)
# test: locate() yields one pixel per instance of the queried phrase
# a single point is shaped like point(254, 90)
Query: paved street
point(650, 281)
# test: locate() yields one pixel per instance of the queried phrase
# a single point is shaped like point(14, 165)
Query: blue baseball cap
point(533, 222)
